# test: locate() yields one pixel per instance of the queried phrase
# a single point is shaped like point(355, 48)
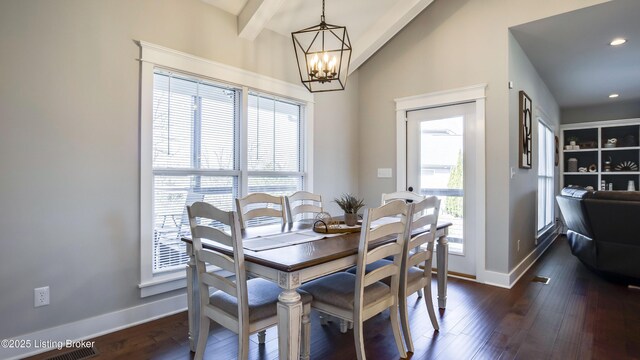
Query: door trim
point(475, 93)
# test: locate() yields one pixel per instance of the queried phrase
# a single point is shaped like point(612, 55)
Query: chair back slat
point(424, 238)
point(424, 221)
point(383, 251)
point(419, 258)
point(220, 283)
point(388, 229)
point(380, 273)
point(248, 206)
point(254, 213)
point(220, 260)
point(406, 196)
point(210, 233)
point(305, 208)
point(302, 202)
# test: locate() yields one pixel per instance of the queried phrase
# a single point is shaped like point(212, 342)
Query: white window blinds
point(194, 157)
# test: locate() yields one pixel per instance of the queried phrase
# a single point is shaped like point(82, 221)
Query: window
point(210, 132)
point(195, 137)
point(196, 149)
point(546, 153)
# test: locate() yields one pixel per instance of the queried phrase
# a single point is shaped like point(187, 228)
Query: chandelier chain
point(322, 17)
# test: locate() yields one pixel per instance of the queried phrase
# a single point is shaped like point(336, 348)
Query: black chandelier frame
point(310, 78)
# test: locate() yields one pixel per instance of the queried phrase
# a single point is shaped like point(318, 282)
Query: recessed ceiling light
point(613, 96)
point(616, 42)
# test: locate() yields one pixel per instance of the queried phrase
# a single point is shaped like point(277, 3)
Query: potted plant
point(350, 205)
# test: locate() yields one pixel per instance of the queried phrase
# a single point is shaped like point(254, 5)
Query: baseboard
point(507, 281)
point(531, 259)
point(92, 327)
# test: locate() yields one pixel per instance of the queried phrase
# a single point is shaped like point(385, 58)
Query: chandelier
point(323, 53)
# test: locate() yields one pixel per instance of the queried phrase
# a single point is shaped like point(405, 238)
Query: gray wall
point(612, 111)
point(336, 143)
point(524, 185)
point(69, 143)
point(451, 44)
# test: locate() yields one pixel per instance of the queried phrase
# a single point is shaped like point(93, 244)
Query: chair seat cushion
point(415, 274)
point(262, 299)
point(339, 290)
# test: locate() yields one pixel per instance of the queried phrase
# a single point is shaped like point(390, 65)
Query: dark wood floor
point(577, 315)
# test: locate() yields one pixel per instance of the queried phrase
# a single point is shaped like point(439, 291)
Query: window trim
point(545, 229)
point(152, 56)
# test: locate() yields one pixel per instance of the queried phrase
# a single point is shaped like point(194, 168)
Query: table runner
point(268, 242)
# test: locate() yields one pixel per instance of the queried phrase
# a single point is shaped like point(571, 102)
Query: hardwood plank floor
point(578, 315)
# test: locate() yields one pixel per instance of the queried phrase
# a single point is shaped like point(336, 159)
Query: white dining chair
point(302, 203)
point(418, 250)
point(356, 298)
point(244, 306)
point(260, 205)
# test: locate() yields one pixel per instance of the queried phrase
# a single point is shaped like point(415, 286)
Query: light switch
point(384, 172)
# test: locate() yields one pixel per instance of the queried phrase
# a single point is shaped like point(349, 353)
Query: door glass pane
point(441, 164)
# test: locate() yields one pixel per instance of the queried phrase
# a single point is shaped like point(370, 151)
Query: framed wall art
point(525, 114)
point(557, 155)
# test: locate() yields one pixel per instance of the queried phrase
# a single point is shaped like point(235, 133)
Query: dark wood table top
point(300, 256)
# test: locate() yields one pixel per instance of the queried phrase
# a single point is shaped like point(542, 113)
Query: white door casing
point(475, 154)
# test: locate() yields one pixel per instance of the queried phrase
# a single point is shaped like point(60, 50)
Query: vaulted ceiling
point(370, 23)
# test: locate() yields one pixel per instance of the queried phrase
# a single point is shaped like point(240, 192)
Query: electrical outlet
point(41, 296)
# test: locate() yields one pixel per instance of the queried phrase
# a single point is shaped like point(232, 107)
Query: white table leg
point(443, 265)
point(289, 316)
point(289, 320)
point(193, 308)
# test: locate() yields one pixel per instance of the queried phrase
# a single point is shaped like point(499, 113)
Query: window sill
point(172, 281)
point(163, 283)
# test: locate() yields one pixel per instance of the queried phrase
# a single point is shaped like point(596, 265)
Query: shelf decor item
point(627, 166)
point(611, 143)
point(350, 205)
point(525, 143)
point(572, 165)
point(631, 186)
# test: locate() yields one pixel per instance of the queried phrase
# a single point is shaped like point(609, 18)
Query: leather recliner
point(604, 229)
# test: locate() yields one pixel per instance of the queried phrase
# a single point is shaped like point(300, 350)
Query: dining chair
point(302, 203)
point(358, 297)
point(418, 250)
point(244, 306)
point(260, 205)
point(407, 196)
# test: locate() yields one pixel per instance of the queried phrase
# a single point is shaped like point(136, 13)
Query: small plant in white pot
point(350, 205)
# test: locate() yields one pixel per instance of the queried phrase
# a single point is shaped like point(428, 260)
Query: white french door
point(439, 143)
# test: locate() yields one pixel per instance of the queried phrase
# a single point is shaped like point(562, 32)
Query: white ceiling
point(571, 52)
point(370, 23)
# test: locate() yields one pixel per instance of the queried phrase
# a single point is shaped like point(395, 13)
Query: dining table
point(290, 264)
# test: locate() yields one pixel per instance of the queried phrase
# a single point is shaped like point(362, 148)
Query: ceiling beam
point(255, 15)
point(384, 29)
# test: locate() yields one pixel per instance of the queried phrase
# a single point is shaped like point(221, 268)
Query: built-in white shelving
point(592, 137)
